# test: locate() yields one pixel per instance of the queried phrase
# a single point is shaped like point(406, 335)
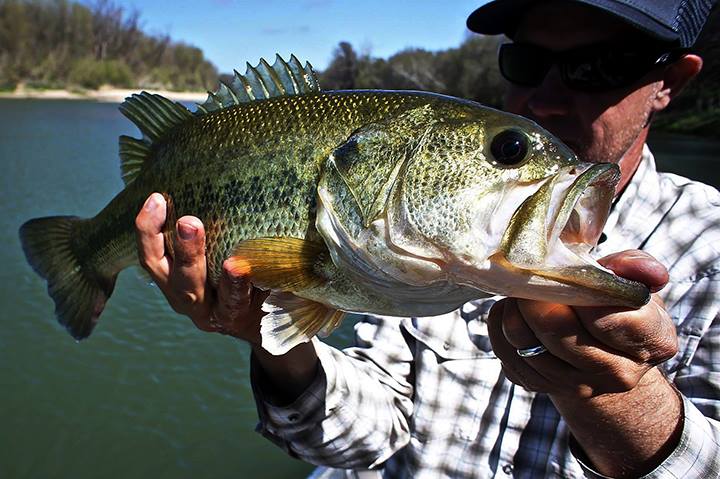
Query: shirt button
point(293, 417)
point(507, 469)
point(446, 346)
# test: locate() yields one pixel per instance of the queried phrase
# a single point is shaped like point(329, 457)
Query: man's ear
point(675, 77)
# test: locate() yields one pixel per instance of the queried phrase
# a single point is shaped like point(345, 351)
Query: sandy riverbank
point(111, 95)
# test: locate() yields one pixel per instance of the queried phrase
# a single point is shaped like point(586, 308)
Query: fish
point(398, 203)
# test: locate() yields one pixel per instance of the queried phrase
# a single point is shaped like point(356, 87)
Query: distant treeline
point(471, 71)
point(62, 44)
point(468, 71)
point(65, 44)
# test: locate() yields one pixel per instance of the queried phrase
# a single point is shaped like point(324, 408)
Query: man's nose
point(551, 97)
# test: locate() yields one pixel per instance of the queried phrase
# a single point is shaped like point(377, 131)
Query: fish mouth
point(550, 237)
point(583, 210)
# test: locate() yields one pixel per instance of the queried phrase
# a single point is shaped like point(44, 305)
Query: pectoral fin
point(282, 264)
point(292, 320)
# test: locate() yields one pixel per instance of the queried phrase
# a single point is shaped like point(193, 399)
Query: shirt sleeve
point(698, 452)
point(355, 414)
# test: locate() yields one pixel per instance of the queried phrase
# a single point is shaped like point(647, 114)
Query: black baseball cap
point(672, 21)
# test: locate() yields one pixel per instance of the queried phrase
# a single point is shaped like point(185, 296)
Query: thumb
point(638, 266)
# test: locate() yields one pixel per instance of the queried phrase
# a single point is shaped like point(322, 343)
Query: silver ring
point(530, 352)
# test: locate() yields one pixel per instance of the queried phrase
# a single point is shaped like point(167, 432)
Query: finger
point(515, 329)
point(558, 328)
point(151, 245)
point(646, 335)
point(513, 366)
point(234, 283)
point(553, 365)
point(238, 310)
point(236, 271)
point(638, 266)
point(188, 273)
point(234, 294)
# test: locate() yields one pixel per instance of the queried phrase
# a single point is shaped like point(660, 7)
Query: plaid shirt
point(426, 397)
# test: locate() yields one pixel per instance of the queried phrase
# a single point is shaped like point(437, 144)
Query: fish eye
point(509, 147)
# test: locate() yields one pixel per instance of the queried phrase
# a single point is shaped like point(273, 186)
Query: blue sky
point(231, 32)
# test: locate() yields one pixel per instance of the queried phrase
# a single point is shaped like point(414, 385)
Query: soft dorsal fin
point(261, 82)
point(155, 116)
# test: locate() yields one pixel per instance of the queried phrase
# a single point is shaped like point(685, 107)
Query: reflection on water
point(147, 395)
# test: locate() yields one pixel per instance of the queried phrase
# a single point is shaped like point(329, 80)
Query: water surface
point(147, 395)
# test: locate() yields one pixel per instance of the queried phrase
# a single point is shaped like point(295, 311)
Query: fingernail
point(150, 203)
point(186, 231)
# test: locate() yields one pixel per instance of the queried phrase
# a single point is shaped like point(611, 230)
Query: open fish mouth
point(583, 210)
point(550, 237)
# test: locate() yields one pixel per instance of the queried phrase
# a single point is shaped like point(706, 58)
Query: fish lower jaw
point(586, 284)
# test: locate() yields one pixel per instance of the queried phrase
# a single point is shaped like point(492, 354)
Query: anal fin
point(292, 320)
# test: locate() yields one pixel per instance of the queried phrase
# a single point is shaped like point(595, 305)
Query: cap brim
point(502, 17)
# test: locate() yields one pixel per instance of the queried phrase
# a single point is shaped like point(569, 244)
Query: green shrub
point(91, 73)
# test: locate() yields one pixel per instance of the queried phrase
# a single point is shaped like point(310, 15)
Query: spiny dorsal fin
point(261, 82)
point(155, 116)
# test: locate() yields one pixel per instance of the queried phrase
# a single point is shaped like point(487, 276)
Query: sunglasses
point(590, 68)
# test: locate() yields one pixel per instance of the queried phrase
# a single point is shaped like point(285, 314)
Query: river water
point(147, 395)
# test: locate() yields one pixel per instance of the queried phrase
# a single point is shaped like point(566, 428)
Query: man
point(605, 392)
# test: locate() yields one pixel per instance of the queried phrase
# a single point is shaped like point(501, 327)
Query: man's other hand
point(234, 308)
point(590, 350)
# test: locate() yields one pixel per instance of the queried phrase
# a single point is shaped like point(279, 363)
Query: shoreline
point(107, 95)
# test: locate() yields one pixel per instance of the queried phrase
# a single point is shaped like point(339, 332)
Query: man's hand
point(591, 351)
point(234, 308)
point(599, 368)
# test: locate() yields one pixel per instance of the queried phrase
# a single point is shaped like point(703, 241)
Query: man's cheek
point(516, 100)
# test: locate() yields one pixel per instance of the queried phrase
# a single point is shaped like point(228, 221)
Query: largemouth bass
point(386, 202)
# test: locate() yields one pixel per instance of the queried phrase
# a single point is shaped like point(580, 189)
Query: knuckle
point(546, 330)
point(496, 311)
point(609, 323)
point(665, 348)
point(183, 260)
point(516, 333)
point(626, 381)
point(203, 326)
point(184, 300)
point(516, 376)
point(186, 258)
point(139, 223)
point(144, 264)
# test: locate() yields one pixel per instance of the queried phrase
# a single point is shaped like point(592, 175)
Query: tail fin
point(79, 291)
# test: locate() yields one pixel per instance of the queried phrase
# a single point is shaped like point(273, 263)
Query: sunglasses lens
point(523, 64)
point(605, 70)
point(595, 68)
